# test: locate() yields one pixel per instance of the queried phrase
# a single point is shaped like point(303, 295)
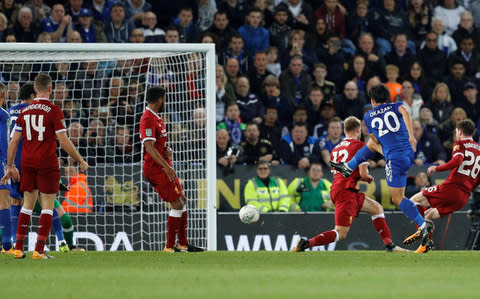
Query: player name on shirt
point(38, 106)
point(344, 143)
point(380, 111)
point(472, 145)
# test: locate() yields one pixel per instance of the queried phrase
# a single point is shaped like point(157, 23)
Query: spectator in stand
point(74, 37)
point(267, 13)
point(24, 29)
point(311, 193)
point(235, 10)
point(258, 73)
point(265, 192)
point(375, 60)
point(296, 148)
point(471, 104)
point(433, 59)
point(39, 10)
point(280, 31)
point(314, 102)
point(389, 22)
point(73, 9)
point(88, 84)
point(411, 100)
point(72, 111)
point(236, 50)
point(296, 47)
point(227, 152)
point(466, 53)
point(449, 11)
point(270, 128)
point(119, 28)
point(120, 149)
point(420, 182)
point(420, 19)
point(392, 84)
point(327, 112)
point(86, 27)
point(254, 148)
point(320, 34)
point(447, 128)
point(445, 42)
point(300, 116)
point(328, 88)
point(232, 123)
point(324, 146)
point(117, 102)
point(350, 102)
point(101, 11)
point(135, 10)
point(3, 27)
point(427, 120)
point(172, 35)
point(256, 37)
point(474, 8)
point(358, 71)
point(58, 24)
point(96, 150)
point(334, 58)
point(295, 82)
point(400, 56)
point(11, 10)
point(275, 98)
point(429, 148)
point(224, 93)
point(467, 28)
point(222, 29)
point(301, 14)
point(251, 107)
point(232, 68)
point(360, 21)
point(273, 63)
point(441, 105)
point(75, 133)
point(456, 81)
point(333, 16)
point(137, 36)
point(206, 12)
point(152, 33)
point(13, 89)
point(188, 30)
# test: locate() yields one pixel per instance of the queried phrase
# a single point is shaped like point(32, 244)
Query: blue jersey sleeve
point(4, 118)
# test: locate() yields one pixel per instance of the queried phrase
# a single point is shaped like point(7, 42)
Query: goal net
point(101, 89)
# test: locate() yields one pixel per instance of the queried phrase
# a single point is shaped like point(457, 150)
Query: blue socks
point(411, 211)
point(361, 156)
point(14, 212)
point(6, 230)
point(57, 226)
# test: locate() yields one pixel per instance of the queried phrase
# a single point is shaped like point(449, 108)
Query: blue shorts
point(396, 170)
point(2, 173)
point(15, 191)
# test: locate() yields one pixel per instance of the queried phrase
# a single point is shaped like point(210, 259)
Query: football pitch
point(338, 274)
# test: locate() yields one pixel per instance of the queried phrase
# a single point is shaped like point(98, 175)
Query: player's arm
point(153, 152)
point(373, 144)
point(456, 160)
point(68, 146)
point(12, 171)
point(364, 176)
point(408, 123)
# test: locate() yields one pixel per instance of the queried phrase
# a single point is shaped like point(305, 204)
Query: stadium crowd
point(288, 72)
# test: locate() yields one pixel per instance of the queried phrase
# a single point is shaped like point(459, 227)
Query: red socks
point(381, 227)
point(323, 238)
point(173, 228)
point(44, 226)
point(182, 233)
point(22, 227)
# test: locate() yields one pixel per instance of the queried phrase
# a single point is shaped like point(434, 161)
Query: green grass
point(339, 274)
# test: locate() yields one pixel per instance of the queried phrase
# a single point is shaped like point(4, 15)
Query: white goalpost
point(101, 90)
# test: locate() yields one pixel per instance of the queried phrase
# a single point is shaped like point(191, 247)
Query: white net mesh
point(102, 95)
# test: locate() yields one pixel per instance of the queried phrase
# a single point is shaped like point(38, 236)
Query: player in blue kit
point(4, 189)
point(391, 134)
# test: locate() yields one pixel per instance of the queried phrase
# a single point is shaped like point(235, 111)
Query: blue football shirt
point(14, 112)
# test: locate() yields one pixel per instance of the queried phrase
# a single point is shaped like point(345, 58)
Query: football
point(249, 214)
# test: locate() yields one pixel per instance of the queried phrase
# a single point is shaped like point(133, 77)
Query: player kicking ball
point(391, 133)
point(452, 194)
point(348, 199)
point(158, 170)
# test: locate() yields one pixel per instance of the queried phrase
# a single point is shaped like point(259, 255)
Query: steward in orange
point(78, 199)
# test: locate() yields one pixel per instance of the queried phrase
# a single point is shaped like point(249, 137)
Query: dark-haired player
point(348, 199)
point(390, 128)
point(452, 194)
point(158, 170)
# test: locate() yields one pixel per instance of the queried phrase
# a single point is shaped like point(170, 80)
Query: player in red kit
point(40, 125)
point(454, 193)
point(348, 199)
point(158, 170)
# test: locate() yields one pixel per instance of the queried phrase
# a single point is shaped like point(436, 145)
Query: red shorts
point(446, 198)
point(167, 190)
point(348, 204)
point(46, 180)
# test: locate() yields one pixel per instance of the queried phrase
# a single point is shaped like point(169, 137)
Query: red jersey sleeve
point(148, 127)
point(58, 120)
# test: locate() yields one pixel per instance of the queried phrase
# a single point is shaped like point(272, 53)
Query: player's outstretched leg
point(346, 169)
point(427, 242)
point(321, 239)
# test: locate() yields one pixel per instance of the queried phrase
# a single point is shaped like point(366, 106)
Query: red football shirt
point(39, 124)
point(466, 175)
point(344, 152)
point(153, 128)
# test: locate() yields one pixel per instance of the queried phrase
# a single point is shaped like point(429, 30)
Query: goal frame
point(209, 50)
